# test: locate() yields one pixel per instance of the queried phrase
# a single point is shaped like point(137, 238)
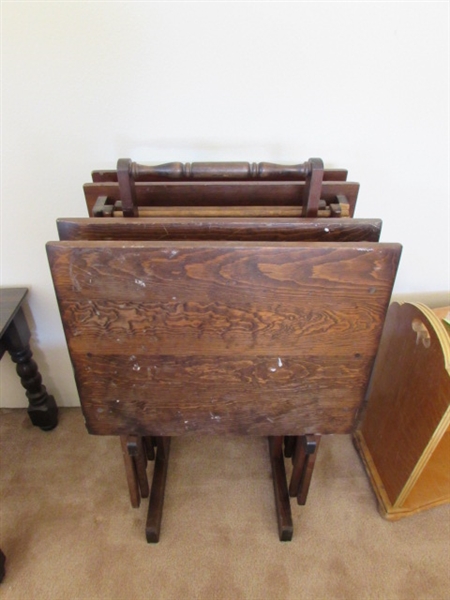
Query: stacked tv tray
point(221, 298)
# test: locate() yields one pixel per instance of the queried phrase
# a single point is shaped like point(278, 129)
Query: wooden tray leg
point(155, 507)
point(306, 449)
point(138, 451)
point(282, 503)
point(130, 471)
point(135, 458)
point(149, 444)
point(289, 445)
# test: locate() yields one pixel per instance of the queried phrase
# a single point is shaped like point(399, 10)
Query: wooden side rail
point(225, 194)
point(226, 229)
point(104, 207)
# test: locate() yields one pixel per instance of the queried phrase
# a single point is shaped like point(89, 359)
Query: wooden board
point(222, 337)
point(232, 229)
point(230, 193)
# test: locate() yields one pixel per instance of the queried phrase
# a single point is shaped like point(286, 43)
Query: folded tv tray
point(180, 322)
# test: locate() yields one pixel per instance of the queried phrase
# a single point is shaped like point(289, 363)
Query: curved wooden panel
point(404, 436)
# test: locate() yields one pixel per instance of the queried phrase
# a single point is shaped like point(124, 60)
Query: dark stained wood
point(226, 194)
point(179, 407)
point(231, 229)
point(282, 504)
point(149, 447)
point(130, 472)
point(127, 188)
point(305, 455)
point(313, 188)
point(267, 171)
point(222, 337)
point(220, 310)
point(312, 448)
point(155, 507)
point(211, 171)
point(289, 446)
point(10, 303)
point(128, 172)
point(107, 207)
point(135, 447)
point(2, 566)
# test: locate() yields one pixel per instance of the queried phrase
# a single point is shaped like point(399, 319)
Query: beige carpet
point(68, 530)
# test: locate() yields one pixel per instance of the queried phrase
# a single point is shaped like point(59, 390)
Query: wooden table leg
point(155, 507)
point(42, 409)
point(282, 503)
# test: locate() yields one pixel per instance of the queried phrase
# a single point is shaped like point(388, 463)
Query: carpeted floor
point(69, 532)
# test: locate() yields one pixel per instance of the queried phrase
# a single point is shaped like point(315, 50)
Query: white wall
point(362, 85)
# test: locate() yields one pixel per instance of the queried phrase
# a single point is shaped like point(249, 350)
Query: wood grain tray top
point(222, 337)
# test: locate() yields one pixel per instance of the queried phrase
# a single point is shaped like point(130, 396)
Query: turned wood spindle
point(311, 172)
point(210, 171)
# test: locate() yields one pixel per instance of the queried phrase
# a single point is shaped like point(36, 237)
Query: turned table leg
point(42, 407)
point(15, 338)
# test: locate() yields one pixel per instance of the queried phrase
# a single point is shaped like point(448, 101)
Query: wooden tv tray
point(404, 437)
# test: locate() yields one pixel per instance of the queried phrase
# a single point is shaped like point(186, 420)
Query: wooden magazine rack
point(221, 303)
point(404, 436)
